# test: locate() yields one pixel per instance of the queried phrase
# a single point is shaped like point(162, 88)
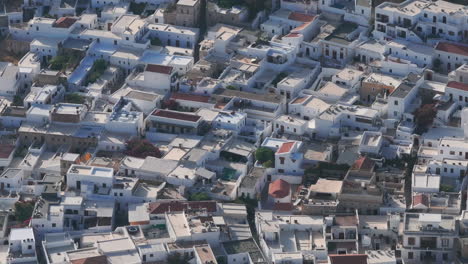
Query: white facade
point(78, 175)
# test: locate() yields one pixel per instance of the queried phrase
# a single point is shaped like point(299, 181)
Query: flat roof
point(92, 171)
point(176, 115)
point(326, 186)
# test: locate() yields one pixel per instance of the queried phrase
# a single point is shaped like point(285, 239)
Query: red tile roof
point(452, 48)
point(64, 22)
point(301, 17)
point(6, 150)
point(363, 163)
point(286, 147)
point(292, 35)
point(159, 68)
point(190, 97)
point(282, 207)
point(179, 206)
point(176, 115)
point(348, 259)
point(421, 199)
point(458, 85)
point(91, 260)
point(279, 189)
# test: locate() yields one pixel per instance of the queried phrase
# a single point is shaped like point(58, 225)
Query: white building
point(9, 77)
point(79, 176)
point(451, 55)
point(22, 246)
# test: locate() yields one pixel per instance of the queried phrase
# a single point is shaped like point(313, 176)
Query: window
point(29, 247)
point(411, 241)
point(445, 256)
point(54, 224)
point(280, 170)
point(410, 255)
point(396, 102)
point(445, 242)
point(281, 160)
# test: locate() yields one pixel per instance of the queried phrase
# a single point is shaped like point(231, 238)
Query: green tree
point(437, 65)
point(156, 41)
point(263, 155)
point(17, 100)
point(23, 210)
point(424, 117)
point(137, 8)
point(446, 188)
point(75, 98)
point(178, 258)
point(199, 196)
point(99, 66)
point(268, 164)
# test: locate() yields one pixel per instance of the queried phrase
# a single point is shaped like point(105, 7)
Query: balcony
point(382, 18)
point(429, 242)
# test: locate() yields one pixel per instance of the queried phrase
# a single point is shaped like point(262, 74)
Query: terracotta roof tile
point(363, 163)
point(64, 22)
point(301, 17)
point(282, 207)
point(458, 85)
point(348, 259)
point(421, 199)
point(452, 48)
point(91, 260)
point(292, 35)
point(159, 68)
point(286, 147)
point(176, 115)
point(279, 189)
point(6, 150)
point(190, 97)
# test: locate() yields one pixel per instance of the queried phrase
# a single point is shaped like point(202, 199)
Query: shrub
point(263, 155)
point(268, 164)
point(23, 210)
point(75, 98)
point(199, 197)
point(142, 148)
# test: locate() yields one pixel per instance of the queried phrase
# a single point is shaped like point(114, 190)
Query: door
point(78, 185)
point(282, 128)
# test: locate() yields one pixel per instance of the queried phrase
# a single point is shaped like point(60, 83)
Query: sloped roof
point(159, 68)
point(286, 147)
point(452, 48)
point(363, 163)
point(348, 259)
point(421, 199)
point(458, 85)
point(301, 17)
point(65, 22)
point(279, 189)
